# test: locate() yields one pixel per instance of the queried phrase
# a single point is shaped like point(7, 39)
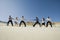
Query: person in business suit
point(22, 21)
point(37, 22)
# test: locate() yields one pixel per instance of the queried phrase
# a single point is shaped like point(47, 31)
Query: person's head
point(43, 18)
point(22, 16)
point(48, 17)
point(9, 15)
point(16, 17)
point(36, 17)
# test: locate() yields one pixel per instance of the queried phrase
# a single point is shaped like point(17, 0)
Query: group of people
point(16, 21)
point(43, 22)
point(22, 21)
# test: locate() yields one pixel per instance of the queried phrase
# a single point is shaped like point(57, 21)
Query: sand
point(29, 33)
